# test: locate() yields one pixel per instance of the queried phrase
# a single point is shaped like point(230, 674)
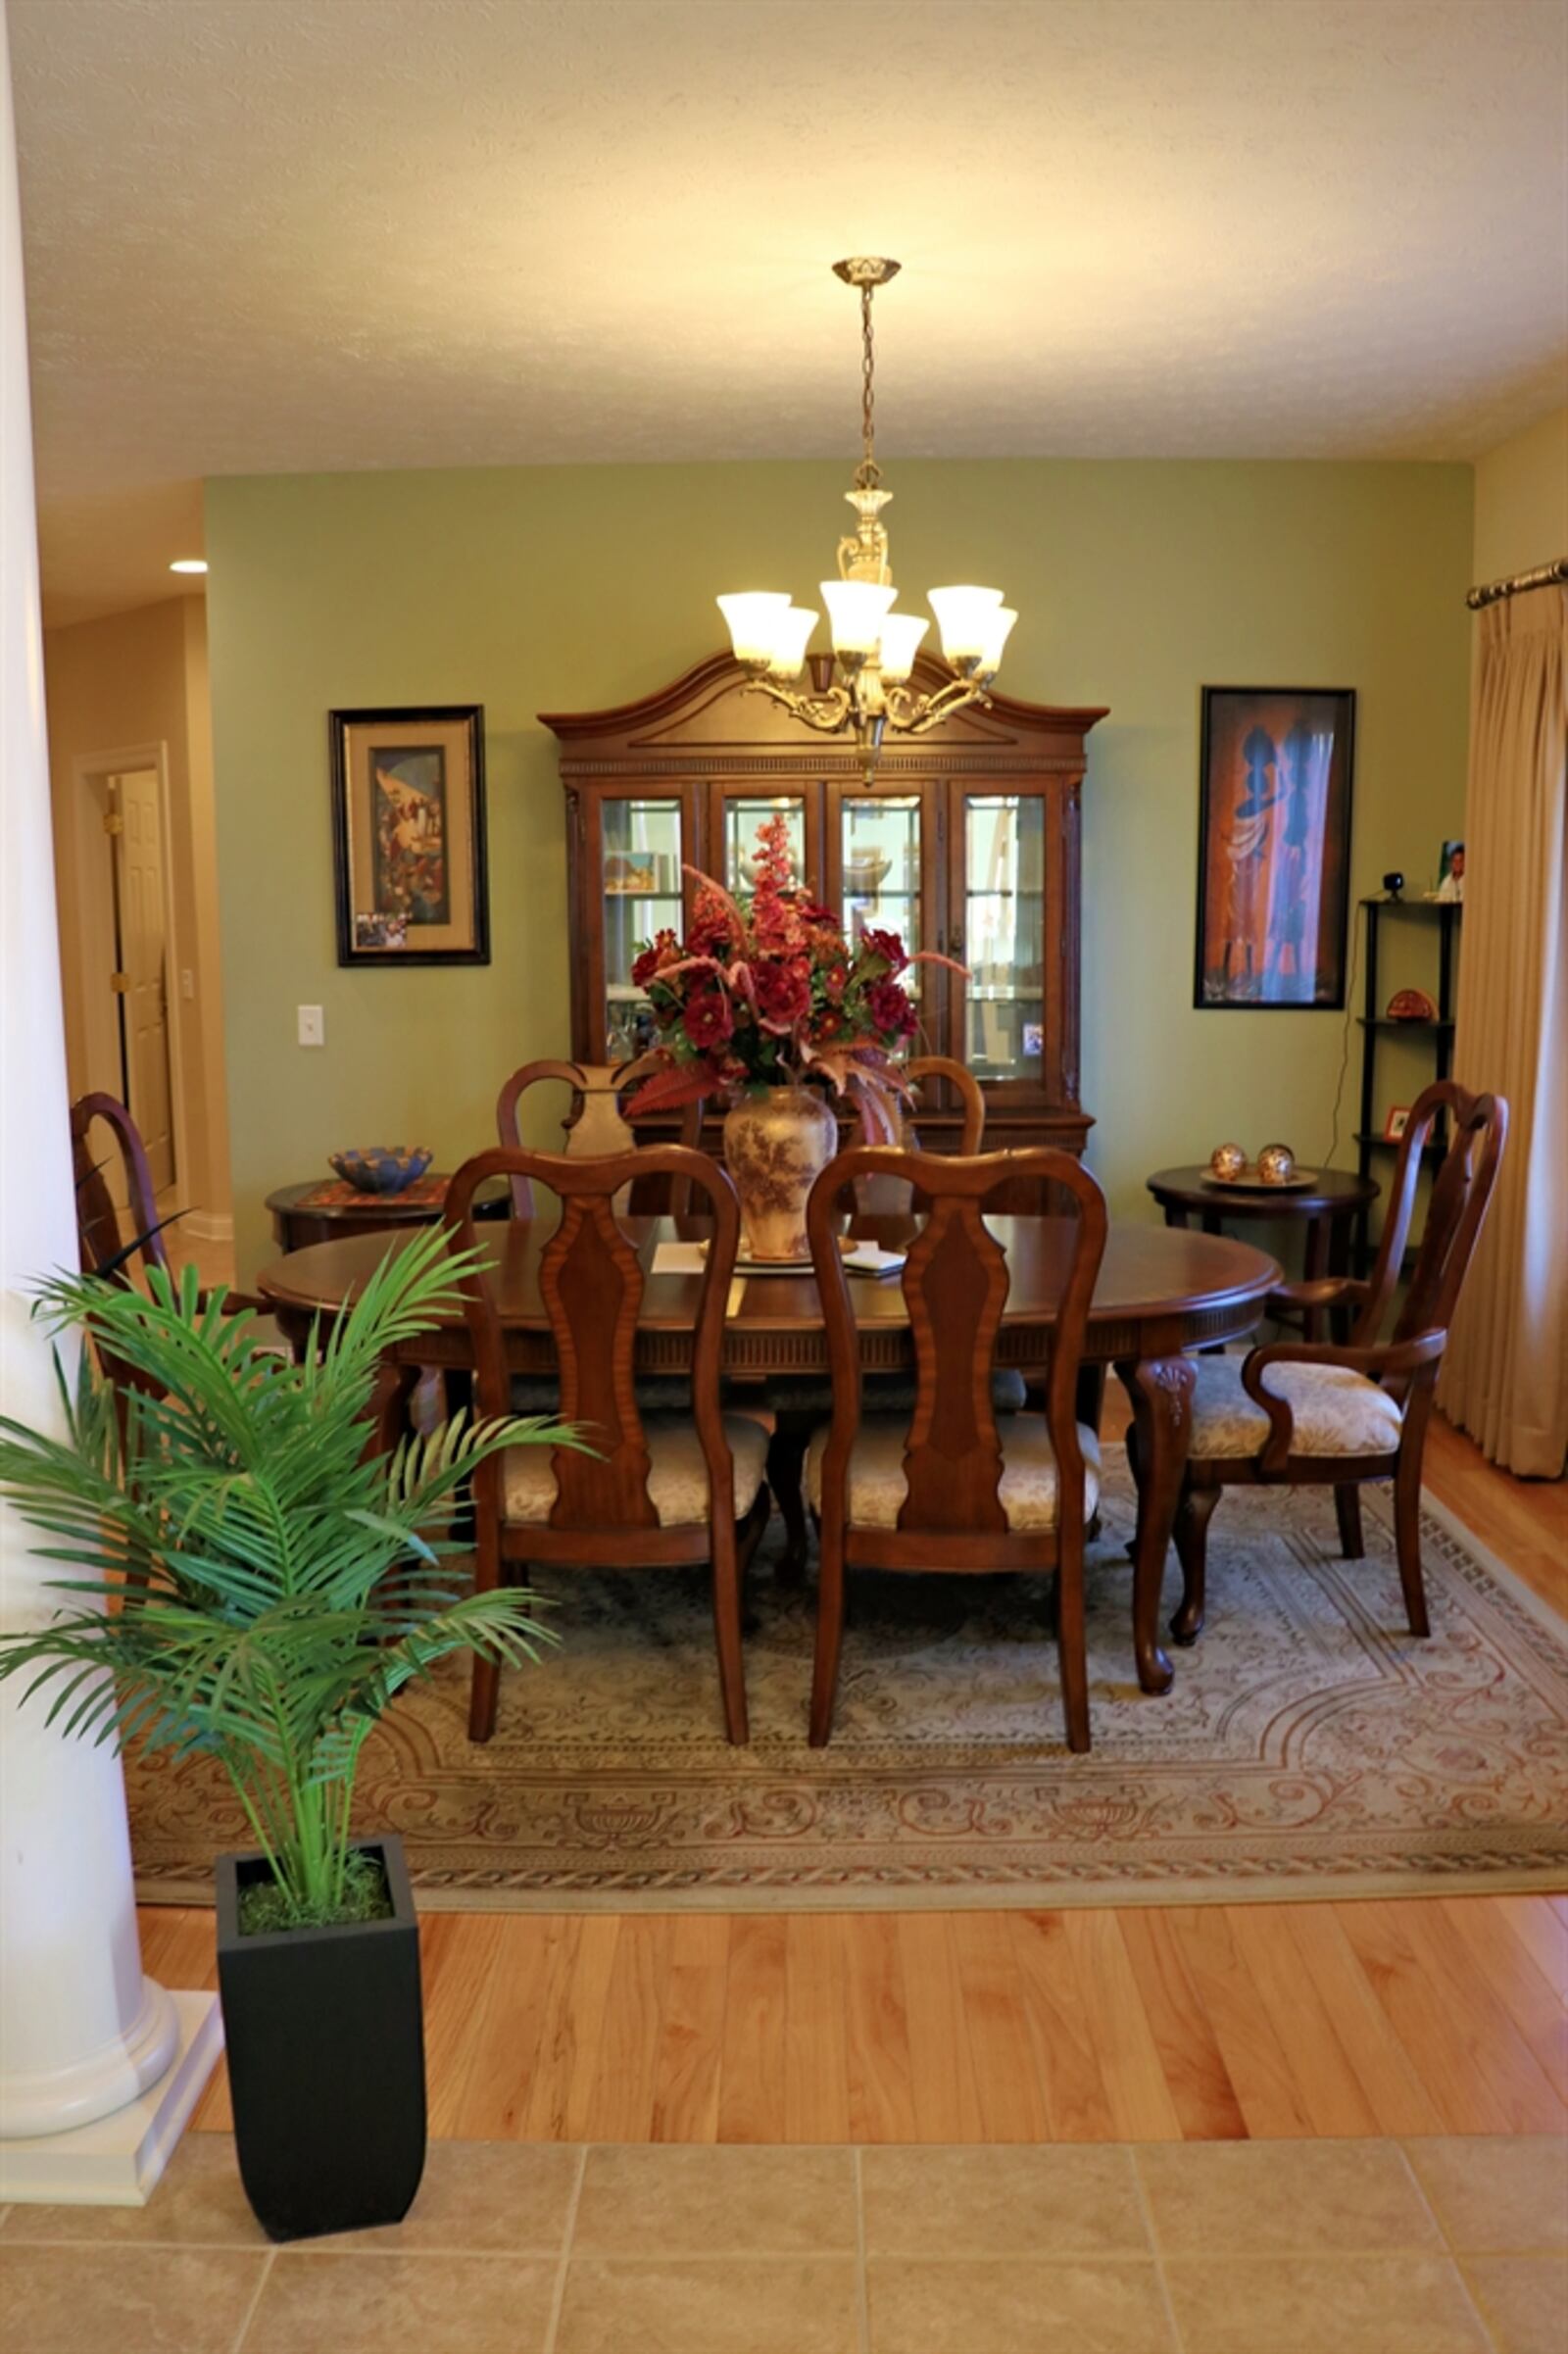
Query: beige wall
point(131, 681)
point(1521, 516)
point(562, 588)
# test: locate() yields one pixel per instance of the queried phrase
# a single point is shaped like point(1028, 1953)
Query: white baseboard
point(116, 2162)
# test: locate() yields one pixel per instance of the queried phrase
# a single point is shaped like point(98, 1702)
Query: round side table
point(1328, 1209)
point(319, 1211)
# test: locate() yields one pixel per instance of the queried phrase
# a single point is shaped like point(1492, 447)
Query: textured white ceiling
point(286, 234)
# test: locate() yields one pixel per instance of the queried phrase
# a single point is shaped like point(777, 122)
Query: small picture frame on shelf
point(409, 835)
point(1451, 875)
point(1394, 1126)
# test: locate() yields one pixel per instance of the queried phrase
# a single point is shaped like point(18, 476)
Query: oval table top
point(1336, 1192)
point(1160, 1289)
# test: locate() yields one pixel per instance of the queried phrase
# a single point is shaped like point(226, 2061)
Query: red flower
point(706, 1018)
point(836, 980)
point(887, 947)
point(890, 1008)
point(783, 991)
point(663, 949)
point(713, 932)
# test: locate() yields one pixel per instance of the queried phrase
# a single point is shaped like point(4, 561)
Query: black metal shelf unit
point(1375, 1025)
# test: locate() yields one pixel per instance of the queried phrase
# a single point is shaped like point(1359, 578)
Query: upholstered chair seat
point(1336, 1411)
point(1029, 1485)
point(677, 1474)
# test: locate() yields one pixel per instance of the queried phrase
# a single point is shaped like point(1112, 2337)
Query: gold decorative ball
point(1276, 1165)
point(1227, 1161)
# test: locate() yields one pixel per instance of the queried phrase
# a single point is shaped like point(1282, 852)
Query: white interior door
point(142, 982)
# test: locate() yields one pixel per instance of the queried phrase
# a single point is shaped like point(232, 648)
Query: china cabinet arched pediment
point(967, 843)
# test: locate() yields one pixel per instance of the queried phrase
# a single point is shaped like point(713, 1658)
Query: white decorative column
point(99, 2068)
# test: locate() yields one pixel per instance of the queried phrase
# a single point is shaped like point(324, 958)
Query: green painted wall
point(562, 588)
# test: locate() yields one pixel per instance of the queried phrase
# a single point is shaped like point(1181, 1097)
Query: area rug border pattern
point(1333, 1877)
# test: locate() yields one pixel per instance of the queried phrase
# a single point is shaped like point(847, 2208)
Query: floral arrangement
point(766, 991)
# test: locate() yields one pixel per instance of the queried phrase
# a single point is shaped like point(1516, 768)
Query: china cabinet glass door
point(881, 881)
point(999, 933)
point(737, 814)
point(642, 842)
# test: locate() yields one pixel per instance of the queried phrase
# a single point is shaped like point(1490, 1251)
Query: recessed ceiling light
point(190, 564)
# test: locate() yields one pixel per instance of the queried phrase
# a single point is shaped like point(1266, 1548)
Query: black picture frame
point(1275, 789)
point(457, 931)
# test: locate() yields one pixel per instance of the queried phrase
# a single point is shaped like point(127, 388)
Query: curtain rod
point(1541, 576)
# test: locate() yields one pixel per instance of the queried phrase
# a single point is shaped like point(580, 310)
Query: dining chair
point(1297, 1413)
point(656, 1489)
point(800, 1402)
point(102, 1247)
point(951, 1486)
point(597, 1120)
point(894, 1197)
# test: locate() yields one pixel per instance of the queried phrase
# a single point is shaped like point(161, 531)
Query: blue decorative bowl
point(382, 1169)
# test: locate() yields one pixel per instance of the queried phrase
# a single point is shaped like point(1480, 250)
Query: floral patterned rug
point(1310, 1746)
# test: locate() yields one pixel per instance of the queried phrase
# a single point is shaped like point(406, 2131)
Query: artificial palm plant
point(247, 1580)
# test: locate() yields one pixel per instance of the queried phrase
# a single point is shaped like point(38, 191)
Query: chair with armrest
point(657, 1489)
point(1314, 1412)
point(951, 1485)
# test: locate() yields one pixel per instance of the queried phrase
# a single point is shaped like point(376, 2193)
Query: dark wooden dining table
point(1162, 1292)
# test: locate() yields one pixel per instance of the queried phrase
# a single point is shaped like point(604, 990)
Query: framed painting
point(1274, 846)
point(408, 836)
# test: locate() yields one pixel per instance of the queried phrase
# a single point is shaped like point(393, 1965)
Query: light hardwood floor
point(1145, 2024)
point(1215, 2022)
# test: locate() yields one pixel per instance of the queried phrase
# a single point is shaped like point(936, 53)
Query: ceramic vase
point(777, 1142)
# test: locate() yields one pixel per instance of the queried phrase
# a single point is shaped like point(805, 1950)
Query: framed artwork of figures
point(408, 836)
point(1274, 846)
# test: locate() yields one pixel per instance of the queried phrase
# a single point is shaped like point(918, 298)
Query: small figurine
point(1276, 1165)
point(1227, 1161)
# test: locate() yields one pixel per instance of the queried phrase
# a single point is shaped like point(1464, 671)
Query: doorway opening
point(129, 972)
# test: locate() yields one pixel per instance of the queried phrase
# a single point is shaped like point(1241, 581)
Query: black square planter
point(326, 2041)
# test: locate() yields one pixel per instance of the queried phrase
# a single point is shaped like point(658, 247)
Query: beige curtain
point(1505, 1376)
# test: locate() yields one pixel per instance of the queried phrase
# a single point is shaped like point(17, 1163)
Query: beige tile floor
point(1320, 2247)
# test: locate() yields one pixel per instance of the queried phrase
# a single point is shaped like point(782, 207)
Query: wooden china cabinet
point(967, 843)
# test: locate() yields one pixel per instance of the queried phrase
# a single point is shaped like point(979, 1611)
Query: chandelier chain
point(868, 474)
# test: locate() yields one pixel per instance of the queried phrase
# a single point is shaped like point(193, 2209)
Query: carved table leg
point(1160, 1392)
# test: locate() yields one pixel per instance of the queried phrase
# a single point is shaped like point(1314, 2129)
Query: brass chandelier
point(873, 647)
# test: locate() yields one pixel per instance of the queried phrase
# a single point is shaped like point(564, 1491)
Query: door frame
point(89, 772)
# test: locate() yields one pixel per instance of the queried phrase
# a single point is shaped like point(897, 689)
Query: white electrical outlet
point(313, 1027)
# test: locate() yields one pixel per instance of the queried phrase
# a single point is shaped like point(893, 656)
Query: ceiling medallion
point(873, 647)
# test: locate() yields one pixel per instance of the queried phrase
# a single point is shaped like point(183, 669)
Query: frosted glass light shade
point(754, 616)
point(966, 617)
point(856, 609)
point(1001, 621)
point(792, 629)
point(901, 643)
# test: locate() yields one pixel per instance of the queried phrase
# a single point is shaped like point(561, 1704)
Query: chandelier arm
point(826, 712)
point(931, 711)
